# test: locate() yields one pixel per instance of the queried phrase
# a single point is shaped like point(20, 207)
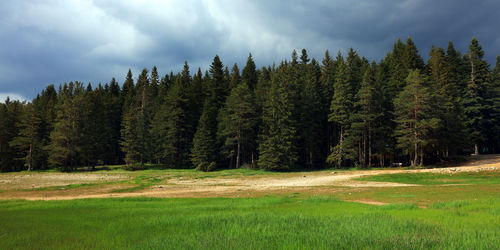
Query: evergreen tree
point(450, 131)
point(278, 132)
point(355, 70)
point(154, 82)
point(364, 119)
point(136, 142)
point(250, 74)
point(340, 110)
point(169, 124)
point(45, 104)
point(27, 141)
point(113, 112)
point(10, 116)
point(328, 71)
point(411, 58)
point(203, 154)
point(217, 85)
point(65, 147)
point(415, 117)
point(384, 142)
point(235, 77)
point(494, 98)
point(312, 115)
point(128, 92)
point(131, 142)
point(96, 128)
point(474, 102)
point(236, 123)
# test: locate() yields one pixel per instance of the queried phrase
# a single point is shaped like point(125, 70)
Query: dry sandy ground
point(14, 186)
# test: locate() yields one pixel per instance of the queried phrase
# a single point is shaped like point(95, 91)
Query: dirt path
point(311, 182)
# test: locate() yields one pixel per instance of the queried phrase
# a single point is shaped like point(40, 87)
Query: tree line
point(301, 114)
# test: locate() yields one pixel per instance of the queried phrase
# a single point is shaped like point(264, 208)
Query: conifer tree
point(10, 115)
point(328, 71)
point(364, 119)
point(65, 147)
point(450, 131)
point(128, 92)
point(474, 103)
point(136, 143)
point(235, 77)
point(217, 84)
point(170, 124)
point(113, 113)
point(278, 132)
point(411, 58)
point(45, 104)
point(154, 82)
point(494, 98)
point(414, 117)
point(27, 142)
point(355, 70)
point(236, 123)
point(312, 130)
point(249, 73)
point(340, 110)
point(203, 154)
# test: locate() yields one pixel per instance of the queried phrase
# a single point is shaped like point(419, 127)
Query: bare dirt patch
point(23, 181)
point(369, 202)
point(320, 182)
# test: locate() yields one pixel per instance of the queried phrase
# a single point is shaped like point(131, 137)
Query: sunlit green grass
point(438, 178)
point(250, 223)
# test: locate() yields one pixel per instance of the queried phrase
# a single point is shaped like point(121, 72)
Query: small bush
point(211, 167)
point(134, 167)
point(249, 166)
point(206, 167)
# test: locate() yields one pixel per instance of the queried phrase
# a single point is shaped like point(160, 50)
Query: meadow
point(286, 222)
point(435, 211)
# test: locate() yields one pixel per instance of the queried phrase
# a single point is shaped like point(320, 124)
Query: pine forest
point(341, 111)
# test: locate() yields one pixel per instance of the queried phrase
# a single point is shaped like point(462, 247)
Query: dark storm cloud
point(54, 41)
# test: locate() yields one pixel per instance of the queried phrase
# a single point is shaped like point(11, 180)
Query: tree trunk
point(369, 145)
point(231, 161)
point(421, 163)
point(341, 143)
point(310, 159)
point(476, 149)
point(360, 154)
point(415, 159)
point(364, 149)
point(30, 157)
point(238, 155)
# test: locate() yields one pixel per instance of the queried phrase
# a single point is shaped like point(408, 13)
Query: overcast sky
point(55, 41)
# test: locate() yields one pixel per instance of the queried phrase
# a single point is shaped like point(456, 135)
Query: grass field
point(249, 223)
point(485, 177)
point(459, 210)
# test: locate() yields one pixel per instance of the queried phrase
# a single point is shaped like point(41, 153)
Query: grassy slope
point(267, 222)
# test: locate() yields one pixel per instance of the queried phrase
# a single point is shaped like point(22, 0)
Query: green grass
point(438, 178)
point(249, 223)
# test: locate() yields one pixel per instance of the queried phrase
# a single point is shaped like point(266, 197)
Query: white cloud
point(12, 96)
point(54, 41)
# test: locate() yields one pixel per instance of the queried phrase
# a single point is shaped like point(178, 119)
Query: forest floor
point(377, 187)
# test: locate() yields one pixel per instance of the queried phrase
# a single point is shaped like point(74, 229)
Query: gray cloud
point(57, 41)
